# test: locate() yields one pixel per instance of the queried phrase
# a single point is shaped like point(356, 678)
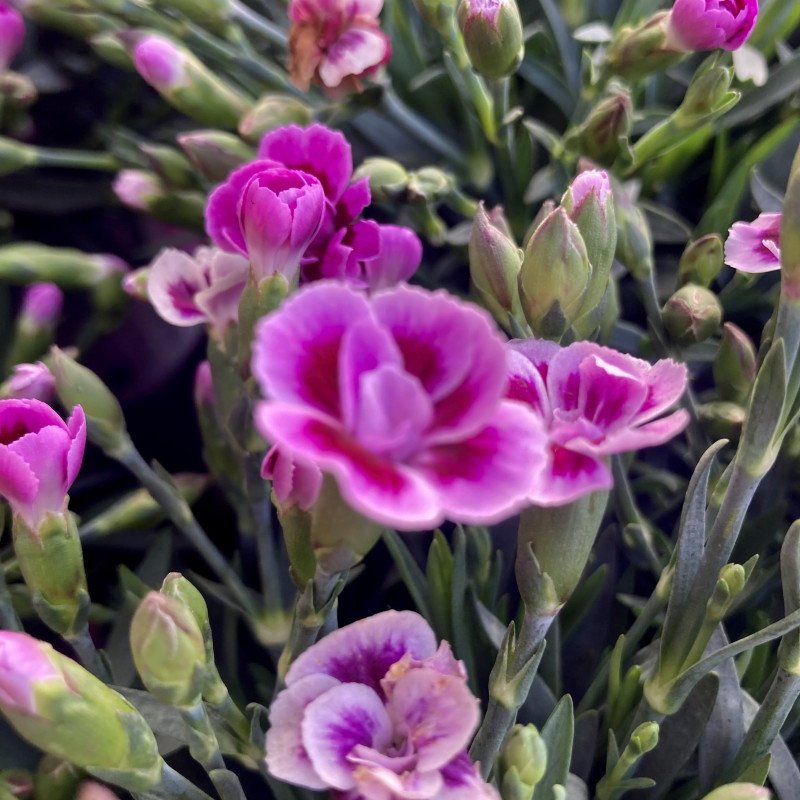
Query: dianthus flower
point(399, 397)
point(755, 246)
point(709, 24)
point(594, 401)
point(375, 712)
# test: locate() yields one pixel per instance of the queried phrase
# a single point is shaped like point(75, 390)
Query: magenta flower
point(137, 188)
point(594, 402)
point(400, 398)
point(203, 288)
point(42, 304)
point(23, 662)
point(31, 381)
point(375, 712)
point(160, 62)
point(755, 246)
point(295, 482)
point(40, 456)
point(335, 43)
point(709, 24)
point(12, 34)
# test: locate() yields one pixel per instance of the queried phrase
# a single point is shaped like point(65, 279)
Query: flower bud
point(62, 709)
point(607, 128)
point(109, 47)
point(77, 385)
point(735, 364)
point(57, 779)
point(722, 419)
point(492, 31)
point(643, 739)
point(144, 191)
point(731, 581)
point(171, 166)
point(215, 153)
point(701, 261)
point(641, 50)
point(178, 587)
point(19, 90)
point(12, 34)
point(429, 184)
point(15, 156)
point(707, 97)
point(26, 262)
point(590, 205)
point(134, 284)
point(274, 110)
point(138, 189)
point(32, 381)
point(168, 650)
point(634, 240)
point(692, 314)
point(522, 763)
point(51, 561)
point(436, 12)
point(185, 82)
point(554, 276)
point(35, 326)
point(494, 264)
point(387, 178)
point(739, 791)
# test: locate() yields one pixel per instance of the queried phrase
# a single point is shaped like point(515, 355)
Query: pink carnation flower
point(375, 712)
point(594, 402)
point(42, 304)
point(709, 24)
point(755, 246)
point(335, 42)
point(12, 34)
point(31, 381)
point(23, 663)
point(295, 483)
point(344, 246)
point(400, 398)
point(203, 288)
point(40, 456)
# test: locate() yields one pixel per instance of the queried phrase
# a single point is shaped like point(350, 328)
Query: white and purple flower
point(755, 246)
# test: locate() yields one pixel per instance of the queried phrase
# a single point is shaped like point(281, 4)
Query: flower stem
point(181, 515)
point(9, 621)
point(255, 23)
point(81, 642)
point(76, 159)
point(173, 786)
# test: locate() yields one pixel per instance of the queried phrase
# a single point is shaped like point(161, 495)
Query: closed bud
point(735, 364)
point(108, 46)
point(429, 184)
point(51, 561)
point(57, 779)
point(436, 12)
point(65, 711)
point(175, 585)
point(17, 89)
point(208, 13)
point(138, 189)
point(171, 166)
point(634, 240)
point(708, 96)
point(522, 763)
point(168, 650)
point(607, 128)
point(701, 261)
point(590, 205)
point(32, 381)
point(730, 583)
point(722, 419)
point(387, 178)
point(274, 110)
point(144, 191)
point(554, 276)
point(15, 156)
point(492, 31)
point(184, 81)
point(36, 323)
point(26, 262)
point(643, 739)
point(642, 50)
point(78, 385)
point(547, 207)
point(215, 153)
point(692, 314)
point(494, 263)
point(134, 284)
point(739, 791)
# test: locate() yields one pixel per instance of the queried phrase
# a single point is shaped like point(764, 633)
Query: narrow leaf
point(413, 577)
point(558, 734)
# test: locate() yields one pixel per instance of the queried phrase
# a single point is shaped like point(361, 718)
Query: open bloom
point(203, 288)
point(375, 712)
point(709, 24)
point(12, 34)
point(33, 381)
point(40, 456)
point(335, 42)
point(295, 483)
point(755, 246)
point(400, 398)
point(594, 402)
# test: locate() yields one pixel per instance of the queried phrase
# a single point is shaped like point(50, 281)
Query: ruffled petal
point(399, 257)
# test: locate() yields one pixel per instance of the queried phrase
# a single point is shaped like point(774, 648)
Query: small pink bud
point(23, 662)
point(134, 284)
point(12, 34)
point(32, 381)
point(42, 304)
point(160, 63)
point(136, 188)
point(203, 385)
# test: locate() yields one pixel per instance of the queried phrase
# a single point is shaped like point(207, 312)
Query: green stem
point(173, 786)
point(81, 642)
point(255, 23)
point(767, 724)
point(181, 515)
point(9, 621)
point(76, 159)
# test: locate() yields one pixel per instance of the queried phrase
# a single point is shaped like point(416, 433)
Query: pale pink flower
point(137, 188)
point(42, 304)
point(594, 401)
point(374, 711)
point(335, 42)
point(203, 288)
point(295, 482)
point(160, 62)
point(399, 397)
point(40, 456)
point(709, 24)
point(23, 663)
point(755, 246)
point(31, 381)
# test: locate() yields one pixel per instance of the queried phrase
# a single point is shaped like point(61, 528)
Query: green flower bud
point(494, 263)
point(77, 385)
point(739, 791)
point(735, 364)
point(26, 262)
point(178, 587)
point(701, 261)
point(273, 110)
point(429, 184)
point(641, 50)
point(171, 166)
point(554, 276)
point(68, 713)
point(17, 89)
point(61, 17)
point(643, 739)
point(731, 581)
point(607, 128)
point(215, 153)
point(722, 419)
point(436, 12)
point(634, 240)
point(387, 178)
point(57, 779)
point(51, 562)
point(492, 31)
point(15, 156)
point(144, 191)
point(108, 46)
point(522, 763)
point(692, 314)
point(706, 98)
point(168, 650)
